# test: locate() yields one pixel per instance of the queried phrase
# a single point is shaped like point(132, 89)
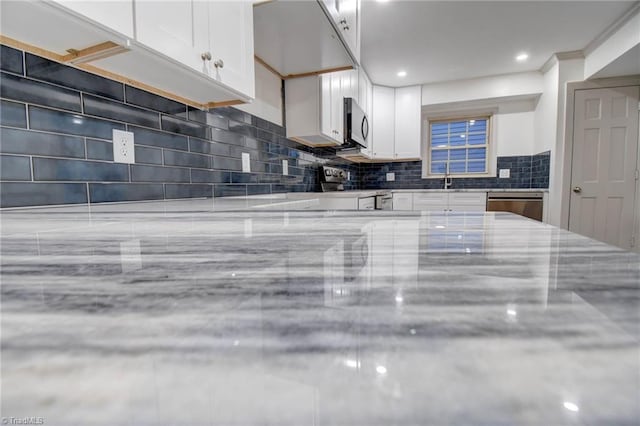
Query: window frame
point(449, 117)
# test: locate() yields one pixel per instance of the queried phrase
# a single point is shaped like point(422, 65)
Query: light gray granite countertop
point(182, 313)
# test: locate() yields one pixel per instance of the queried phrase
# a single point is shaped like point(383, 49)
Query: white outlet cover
point(391, 177)
point(505, 173)
point(246, 162)
point(123, 147)
point(285, 167)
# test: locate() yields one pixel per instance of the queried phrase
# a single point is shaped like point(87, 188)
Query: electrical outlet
point(285, 167)
point(391, 177)
point(246, 162)
point(123, 147)
point(505, 173)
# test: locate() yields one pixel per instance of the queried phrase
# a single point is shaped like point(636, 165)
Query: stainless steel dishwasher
point(528, 204)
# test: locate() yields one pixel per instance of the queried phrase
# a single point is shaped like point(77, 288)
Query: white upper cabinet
point(196, 51)
point(348, 25)
point(407, 122)
point(383, 123)
point(231, 44)
point(345, 15)
point(178, 29)
point(315, 107)
point(211, 37)
point(339, 82)
point(117, 15)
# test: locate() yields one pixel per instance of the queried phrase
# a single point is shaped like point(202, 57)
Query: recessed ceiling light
point(402, 73)
point(522, 57)
point(571, 406)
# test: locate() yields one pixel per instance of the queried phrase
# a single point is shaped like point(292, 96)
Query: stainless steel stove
point(332, 178)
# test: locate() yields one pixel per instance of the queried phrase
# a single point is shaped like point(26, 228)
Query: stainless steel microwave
point(356, 124)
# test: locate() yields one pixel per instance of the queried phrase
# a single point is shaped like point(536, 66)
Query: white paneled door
point(604, 164)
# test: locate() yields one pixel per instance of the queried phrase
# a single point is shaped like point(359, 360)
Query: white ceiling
point(450, 40)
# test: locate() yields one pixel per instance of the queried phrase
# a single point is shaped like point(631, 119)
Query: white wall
point(268, 102)
point(623, 39)
point(546, 113)
point(549, 128)
point(494, 87)
point(514, 133)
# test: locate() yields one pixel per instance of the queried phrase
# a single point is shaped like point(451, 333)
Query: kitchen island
point(207, 312)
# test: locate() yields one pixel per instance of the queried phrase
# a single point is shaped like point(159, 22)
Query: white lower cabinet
point(368, 203)
point(440, 201)
point(468, 201)
point(402, 201)
point(433, 201)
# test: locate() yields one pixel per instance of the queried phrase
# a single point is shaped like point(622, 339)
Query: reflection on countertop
point(182, 313)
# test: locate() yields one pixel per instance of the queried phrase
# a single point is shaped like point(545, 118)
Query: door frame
point(567, 154)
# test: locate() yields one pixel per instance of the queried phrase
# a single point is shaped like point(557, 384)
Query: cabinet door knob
point(219, 63)
point(343, 21)
point(346, 28)
point(206, 56)
point(577, 189)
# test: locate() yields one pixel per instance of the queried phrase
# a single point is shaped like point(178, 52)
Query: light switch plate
point(391, 177)
point(285, 167)
point(123, 148)
point(246, 162)
point(505, 173)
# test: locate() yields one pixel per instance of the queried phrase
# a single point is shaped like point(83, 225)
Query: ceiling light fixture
point(402, 73)
point(522, 57)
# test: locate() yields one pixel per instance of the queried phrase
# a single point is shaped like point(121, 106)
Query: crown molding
point(617, 24)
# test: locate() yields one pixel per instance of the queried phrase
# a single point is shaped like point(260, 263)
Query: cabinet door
point(468, 201)
point(407, 128)
point(431, 201)
point(347, 23)
point(337, 106)
point(116, 15)
point(169, 27)
point(403, 201)
point(231, 44)
point(362, 90)
point(326, 124)
point(383, 122)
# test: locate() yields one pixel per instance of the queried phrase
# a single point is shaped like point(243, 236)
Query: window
point(459, 147)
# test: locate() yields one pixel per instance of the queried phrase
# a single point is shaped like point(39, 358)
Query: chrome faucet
point(448, 181)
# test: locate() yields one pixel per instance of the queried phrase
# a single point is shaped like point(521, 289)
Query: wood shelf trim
point(93, 53)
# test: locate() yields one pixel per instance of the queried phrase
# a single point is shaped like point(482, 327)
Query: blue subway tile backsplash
point(135, 96)
point(14, 167)
point(113, 110)
point(46, 70)
point(74, 124)
point(111, 192)
point(22, 194)
point(20, 141)
point(12, 114)
point(11, 60)
point(56, 126)
point(34, 92)
point(54, 169)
